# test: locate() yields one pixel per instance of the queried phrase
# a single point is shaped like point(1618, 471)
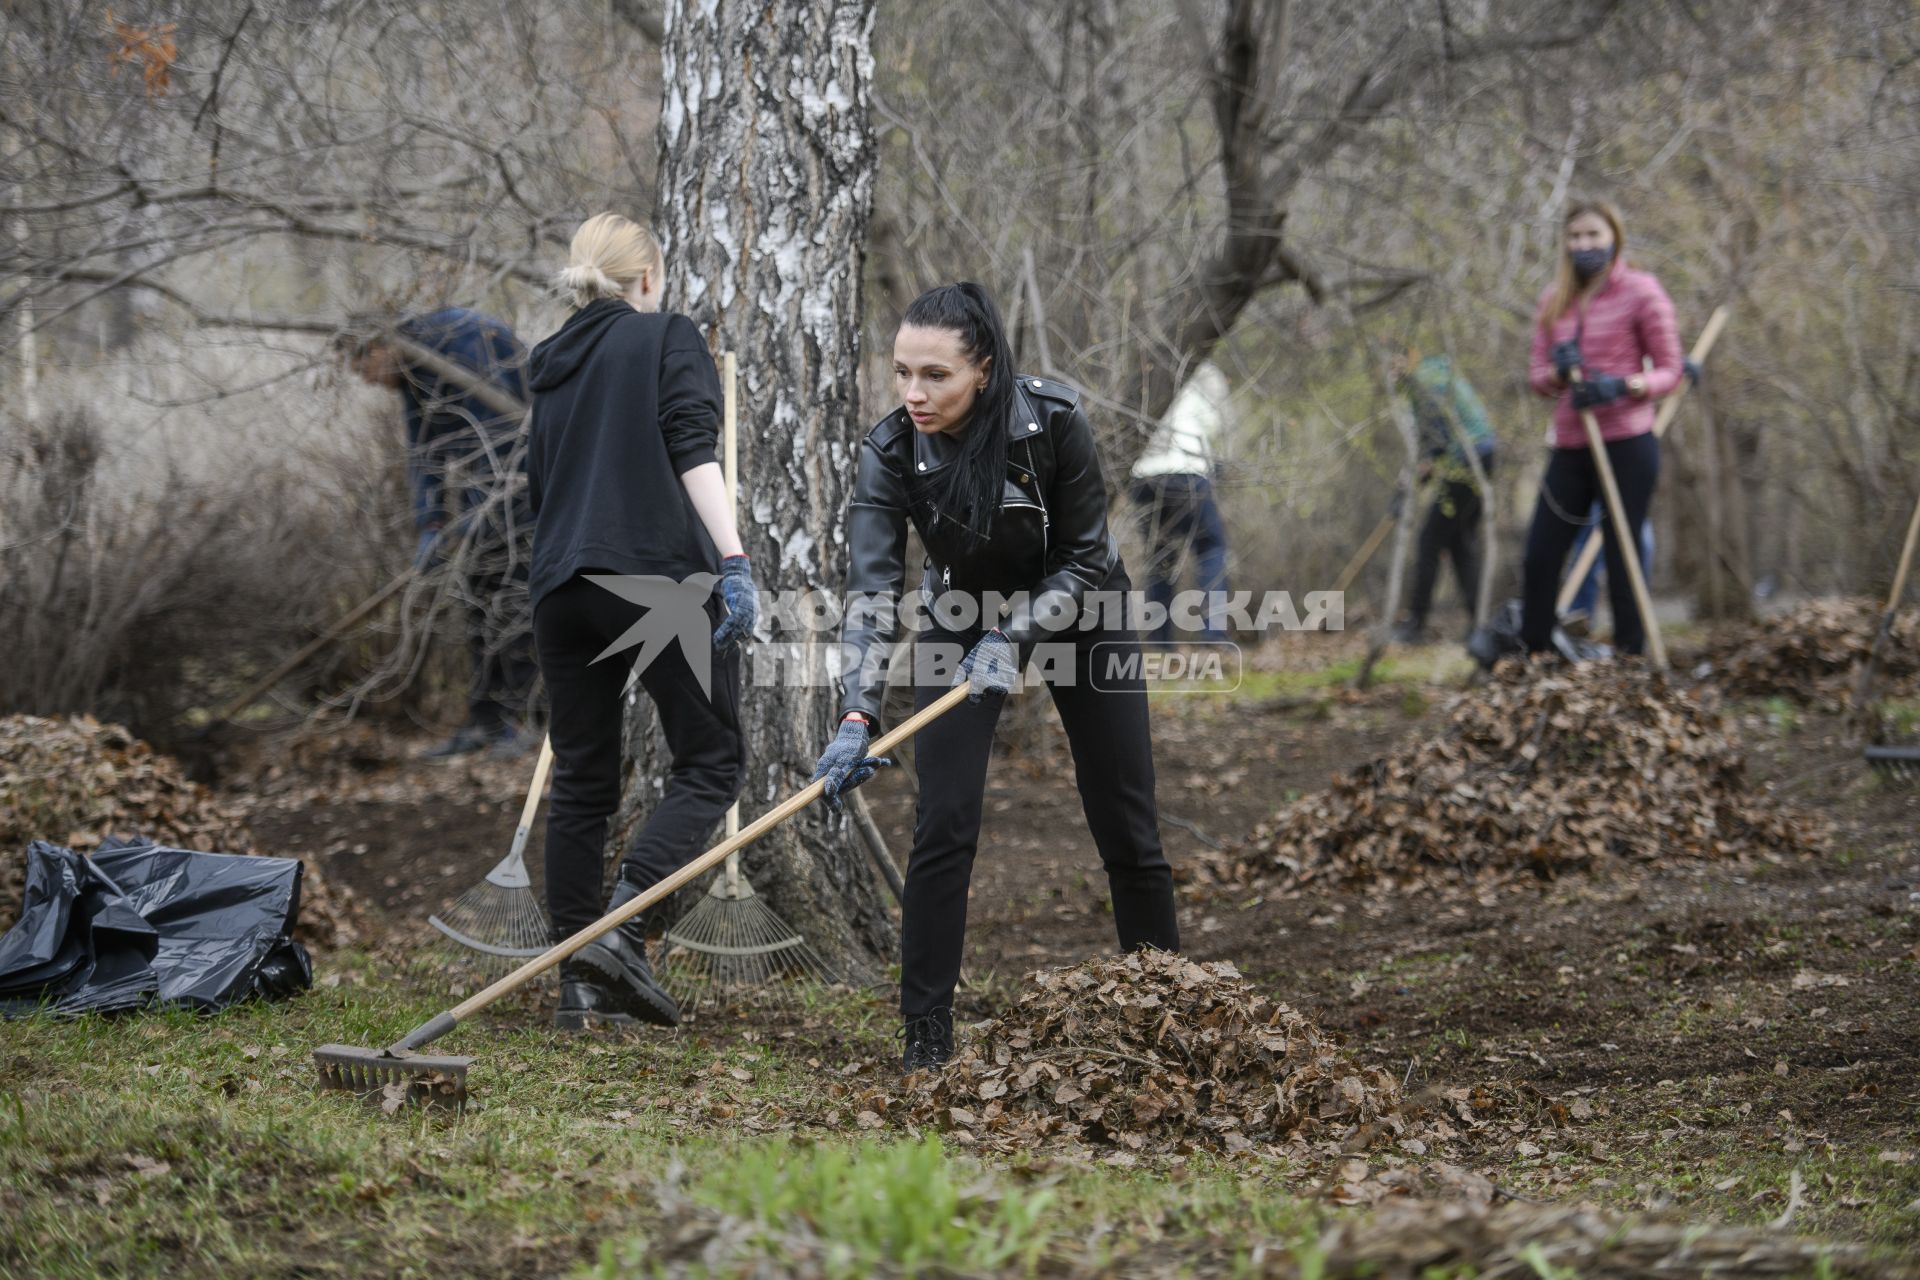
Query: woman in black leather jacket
point(1038, 575)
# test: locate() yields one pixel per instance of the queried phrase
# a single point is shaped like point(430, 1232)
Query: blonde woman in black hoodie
point(623, 481)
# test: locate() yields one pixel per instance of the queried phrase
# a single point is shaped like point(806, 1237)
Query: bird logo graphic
point(673, 611)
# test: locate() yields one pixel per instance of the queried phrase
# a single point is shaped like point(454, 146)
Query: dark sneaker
point(465, 742)
point(585, 1001)
point(620, 957)
point(929, 1041)
point(1410, 633)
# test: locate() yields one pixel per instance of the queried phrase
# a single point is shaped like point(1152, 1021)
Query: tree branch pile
point(1810, 655)
point(1540, 771)
point(75, 781)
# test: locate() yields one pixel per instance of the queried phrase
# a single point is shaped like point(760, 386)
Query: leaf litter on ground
point(1153, 1055)
point(1811, 653)
point(1542, 771)
point(75, 781)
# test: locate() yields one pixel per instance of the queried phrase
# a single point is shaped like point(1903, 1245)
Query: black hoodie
point(624, 403)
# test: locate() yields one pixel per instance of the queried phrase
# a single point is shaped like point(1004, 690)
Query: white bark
point(766, 188)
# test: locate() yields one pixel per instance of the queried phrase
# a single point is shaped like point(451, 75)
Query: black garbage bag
point(217, 930)
point(78, 944)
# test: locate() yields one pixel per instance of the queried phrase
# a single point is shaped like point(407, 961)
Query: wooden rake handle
point(1629, 540)
point(1864, 687)
point(445, 1022)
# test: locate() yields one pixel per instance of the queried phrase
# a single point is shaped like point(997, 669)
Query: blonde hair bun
point(608, 254)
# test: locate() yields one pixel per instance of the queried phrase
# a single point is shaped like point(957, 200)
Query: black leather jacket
point(1049, 540)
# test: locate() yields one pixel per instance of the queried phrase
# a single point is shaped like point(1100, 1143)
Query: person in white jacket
point(1172, 485)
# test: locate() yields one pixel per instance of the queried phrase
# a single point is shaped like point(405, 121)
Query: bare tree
point(767, 169)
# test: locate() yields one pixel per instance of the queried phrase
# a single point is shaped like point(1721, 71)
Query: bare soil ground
point(1729, 1028)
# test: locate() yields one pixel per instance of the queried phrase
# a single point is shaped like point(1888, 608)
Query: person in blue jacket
point(466, 463)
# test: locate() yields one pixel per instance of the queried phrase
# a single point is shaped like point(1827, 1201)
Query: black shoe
point(1410, 632)
point(929, 1040)
point(619, 956)
point(466, 741)
point(585, 1001)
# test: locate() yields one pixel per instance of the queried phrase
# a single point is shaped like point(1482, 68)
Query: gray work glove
point(845, 763)
point(742, 599)
point(991, 666)
point(1601, 388)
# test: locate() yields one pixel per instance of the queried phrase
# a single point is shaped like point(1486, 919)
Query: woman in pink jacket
point(1604, 342)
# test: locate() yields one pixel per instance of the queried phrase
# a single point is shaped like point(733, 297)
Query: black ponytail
point(969, 493)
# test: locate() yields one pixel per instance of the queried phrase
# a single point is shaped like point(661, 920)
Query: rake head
point(732, 948)
point(497, 925)
point(401, 1078)
point(1896, 763)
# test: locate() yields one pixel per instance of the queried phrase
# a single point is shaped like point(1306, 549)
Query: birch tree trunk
point(767, 164)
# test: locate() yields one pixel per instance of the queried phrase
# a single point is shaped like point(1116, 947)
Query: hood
point(556, 358)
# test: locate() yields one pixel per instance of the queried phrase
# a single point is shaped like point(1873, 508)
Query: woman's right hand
point(845, 763)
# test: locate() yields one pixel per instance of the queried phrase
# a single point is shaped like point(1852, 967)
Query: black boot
point(929, 1040)
point(619, 956)
point(584, 1000)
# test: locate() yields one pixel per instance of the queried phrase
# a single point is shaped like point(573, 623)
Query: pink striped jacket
point(1629, 320)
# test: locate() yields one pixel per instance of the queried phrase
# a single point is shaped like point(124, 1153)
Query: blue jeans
point(1178, 513)
point(1589, 594)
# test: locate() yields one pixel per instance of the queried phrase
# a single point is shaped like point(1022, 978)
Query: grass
point(184, 1146)
point(175, 1145)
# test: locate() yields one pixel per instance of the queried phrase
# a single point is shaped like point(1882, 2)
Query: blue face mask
point(1588, 263)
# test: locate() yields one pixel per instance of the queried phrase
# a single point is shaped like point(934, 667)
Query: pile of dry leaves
point(1153, 1052)
point(1811, 653)
point(1542, 771)
point(75, 781)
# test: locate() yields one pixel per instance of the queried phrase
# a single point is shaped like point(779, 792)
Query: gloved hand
point(991, 666)
point(1691, 370)
point(1566, 358)
point(742, 599)
point(426, 548)
point(845, 763)
point(1600, 389)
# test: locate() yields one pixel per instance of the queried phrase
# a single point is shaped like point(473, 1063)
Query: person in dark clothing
point(1000, 476)
point(1604, 343)
point(626, 489)
point(1451, 420)
point(466, 459)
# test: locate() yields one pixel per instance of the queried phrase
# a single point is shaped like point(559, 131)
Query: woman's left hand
point(742, 599)
point(1637, 387)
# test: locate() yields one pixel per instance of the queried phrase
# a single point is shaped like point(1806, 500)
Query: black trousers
point(1104, 710)
point(1567, 494)
point(572, 625)
point(1452, 528)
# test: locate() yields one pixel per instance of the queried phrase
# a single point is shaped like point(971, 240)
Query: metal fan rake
point(498, 925)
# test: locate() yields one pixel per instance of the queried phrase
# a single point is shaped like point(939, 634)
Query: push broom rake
point(443, 1079)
